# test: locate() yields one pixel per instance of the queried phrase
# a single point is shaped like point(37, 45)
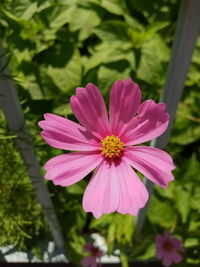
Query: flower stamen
point(168, 246)
point(112, 146)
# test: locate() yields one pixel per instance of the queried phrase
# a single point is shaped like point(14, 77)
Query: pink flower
point(94, 254)
point(167, 248)
point(110, 146)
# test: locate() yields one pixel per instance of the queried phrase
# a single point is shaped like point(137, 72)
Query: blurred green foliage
point(56, 46)
point(21, 218)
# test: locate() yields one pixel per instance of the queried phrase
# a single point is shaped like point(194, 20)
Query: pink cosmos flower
point(94, 254)
point(109, 145)
point(167, 248)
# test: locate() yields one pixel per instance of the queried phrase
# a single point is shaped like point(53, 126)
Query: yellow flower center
point(112, 146)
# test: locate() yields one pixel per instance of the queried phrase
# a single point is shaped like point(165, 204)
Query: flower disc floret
point(112, 146)
point(168, 246)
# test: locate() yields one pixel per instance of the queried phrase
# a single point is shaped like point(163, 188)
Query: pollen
point(112, 146)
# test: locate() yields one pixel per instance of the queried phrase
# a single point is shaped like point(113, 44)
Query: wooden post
point(15, 119)
point(187, 30)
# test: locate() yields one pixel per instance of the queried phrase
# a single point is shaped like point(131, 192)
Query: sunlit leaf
point(154, 53)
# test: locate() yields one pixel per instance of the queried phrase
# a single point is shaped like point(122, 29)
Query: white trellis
point(188, 27)
point(184, 41)
point(15, 119)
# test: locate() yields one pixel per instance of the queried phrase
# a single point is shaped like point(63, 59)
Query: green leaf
point(97, 58)
point(55, 16)
point(148, 253)
point(117, 7)
point(140, 34)
point(196, 53)
point(153, 54)
point(108, 53)
point(75, 248)
point(187, 125)
point(183, 192)
point(111, 72)
point(161, 213)
point(155, 9)
point(188, 172)
point(182, 199)
point(191, 242)
point(194, 226)
point(29, 29)
point(68, 77)
point(77, 188)
point(123, 257)
point(38, 82)
point(103, 221)
point(195, 199)
point(193, 76)
point(29, 11)
point(114, 230)
point(114, 31)
point(63, 109)
point(84, 20)
point(23, 9)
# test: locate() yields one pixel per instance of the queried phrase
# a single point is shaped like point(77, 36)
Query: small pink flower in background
point(109, 145)
point(94, 254)
point(168, 248)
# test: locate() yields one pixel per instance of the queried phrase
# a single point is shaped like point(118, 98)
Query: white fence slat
point(187, 30)
point(15, 119)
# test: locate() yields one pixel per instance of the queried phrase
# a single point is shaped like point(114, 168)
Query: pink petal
point(159, 239)
point(167, 235)
point(177, 244)
point(125, 98)
point(65, 134)
point(88, 247)
point(102, 193)
point(99, 253)
point(167, 259)
point(176, 257)
point(89, 261)
point(114, 187)
point(159, 253)
point(151, 121)
point(94, 262)
point(67, 169)
point(154, 163)
point(133, 193)
point(89, 108)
